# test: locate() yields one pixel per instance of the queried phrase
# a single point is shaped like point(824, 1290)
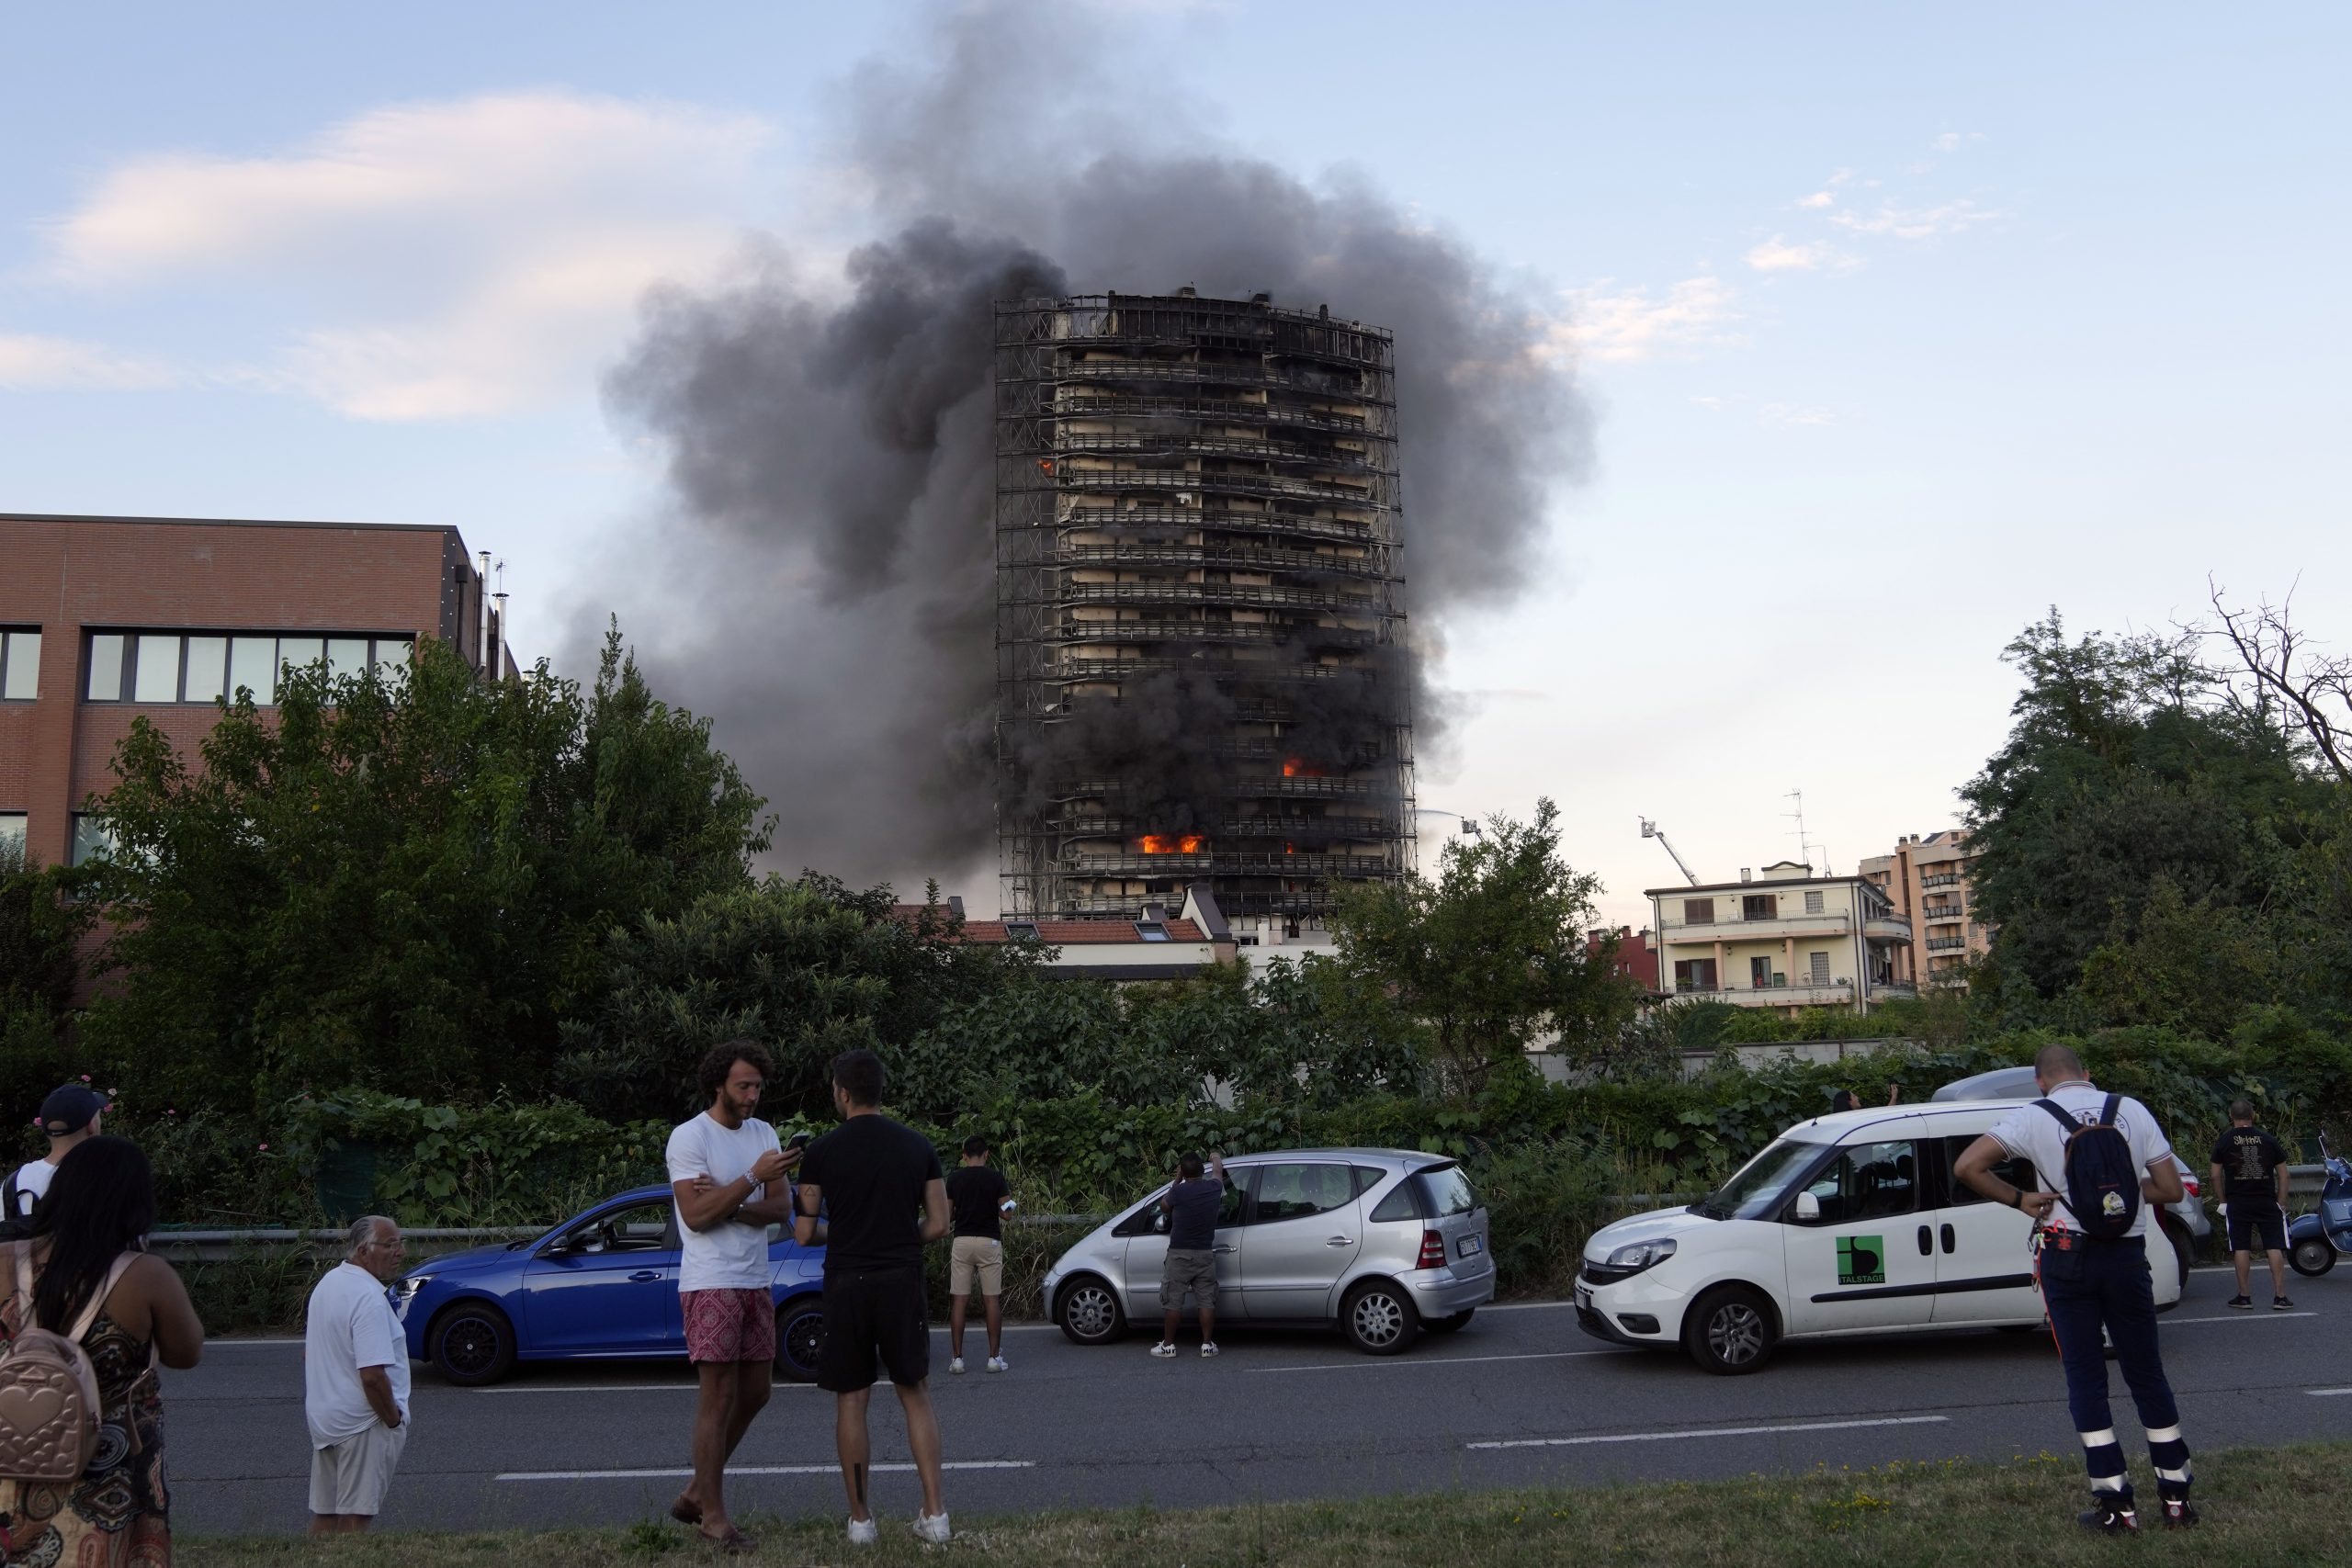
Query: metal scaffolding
point(1202, 673)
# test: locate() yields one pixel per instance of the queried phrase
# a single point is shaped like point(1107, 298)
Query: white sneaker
point(1208, 1347)
point(932, 1527)
point(864, 1532)
point(998, 1364)
point(1163, 1348)
point(957, 1366)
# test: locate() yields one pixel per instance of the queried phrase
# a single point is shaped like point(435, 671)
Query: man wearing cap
point(70, 1116)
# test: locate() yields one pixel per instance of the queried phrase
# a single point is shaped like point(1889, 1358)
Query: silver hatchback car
point(1384, 1243)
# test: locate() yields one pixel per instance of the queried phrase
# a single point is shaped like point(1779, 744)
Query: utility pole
point(1652, 831)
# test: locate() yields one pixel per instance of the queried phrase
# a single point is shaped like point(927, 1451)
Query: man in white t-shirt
point(70, 1116)
point(722, 1166)
point(2095, 1288)
point(355, 1377)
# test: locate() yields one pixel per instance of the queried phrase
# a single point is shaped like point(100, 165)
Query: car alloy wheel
point(1379, 1319)
point(1730, 1330)
point(1090, 1313)
point(799, 1339)
point(472, 1346)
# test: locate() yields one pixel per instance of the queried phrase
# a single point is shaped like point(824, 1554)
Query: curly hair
point(712, 1075)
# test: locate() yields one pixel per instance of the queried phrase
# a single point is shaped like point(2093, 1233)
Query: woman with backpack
point(84, 1316)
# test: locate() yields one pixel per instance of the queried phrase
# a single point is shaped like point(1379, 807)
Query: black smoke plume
point(831, 573)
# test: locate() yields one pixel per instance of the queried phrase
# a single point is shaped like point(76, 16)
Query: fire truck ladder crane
point(1651, 830)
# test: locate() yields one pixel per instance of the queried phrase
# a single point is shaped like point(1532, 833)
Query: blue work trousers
point(2087, 1286)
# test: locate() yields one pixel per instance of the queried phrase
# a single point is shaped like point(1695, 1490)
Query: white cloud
point(1787, 415)
point(31, 361)
point(1917, 223)
point(1948, 142)
point(1819, 199)
point(440, 259)
point(1779, 254)
point(1629, 324)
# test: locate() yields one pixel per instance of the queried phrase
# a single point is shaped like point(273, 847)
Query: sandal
point(685, 1510)
point(734, 1541)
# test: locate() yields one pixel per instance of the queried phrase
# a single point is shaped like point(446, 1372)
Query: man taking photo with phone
point(726, 1174)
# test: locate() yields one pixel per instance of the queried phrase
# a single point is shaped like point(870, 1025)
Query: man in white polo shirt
point(354, 1376)
point(2094, 1285)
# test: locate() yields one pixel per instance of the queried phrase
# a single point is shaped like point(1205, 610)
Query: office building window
point(92, 840)
point(1812, 903)
point(209, 667)
point(12, 838)
point(20, 665)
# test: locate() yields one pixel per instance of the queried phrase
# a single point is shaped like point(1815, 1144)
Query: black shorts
point(876, 1322)
point(2266, 1226)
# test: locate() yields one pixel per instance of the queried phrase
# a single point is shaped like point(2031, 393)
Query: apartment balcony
point(1800, 992)
point(1945, 912)
point(1801, 928)
point(1946, 943)
point(1945, 879)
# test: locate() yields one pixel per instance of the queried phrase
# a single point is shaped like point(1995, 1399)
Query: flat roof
point(219, 522)
point(1759, 885)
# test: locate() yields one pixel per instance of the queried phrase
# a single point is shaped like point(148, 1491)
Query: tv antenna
point(1652, 831)
point(1805, 846)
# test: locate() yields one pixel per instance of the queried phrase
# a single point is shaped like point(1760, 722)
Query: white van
point(1844, 1225)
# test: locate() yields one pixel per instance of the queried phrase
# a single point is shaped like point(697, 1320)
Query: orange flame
point(1173, 844)
point(1293, 768)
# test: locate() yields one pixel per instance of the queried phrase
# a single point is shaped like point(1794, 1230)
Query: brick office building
point(106, 619)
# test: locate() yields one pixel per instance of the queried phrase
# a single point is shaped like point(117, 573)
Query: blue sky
point(1901, 325)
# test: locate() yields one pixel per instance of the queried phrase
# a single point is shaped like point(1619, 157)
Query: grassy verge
point(2257, 1505)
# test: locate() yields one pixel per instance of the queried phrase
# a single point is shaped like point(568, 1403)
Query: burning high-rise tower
point(1201, 668)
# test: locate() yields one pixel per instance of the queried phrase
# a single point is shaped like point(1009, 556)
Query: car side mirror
point(1806, 1210)
point(1159, 1224)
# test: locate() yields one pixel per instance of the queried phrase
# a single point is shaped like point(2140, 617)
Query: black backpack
point(2102, 1187)
point(15, 1224)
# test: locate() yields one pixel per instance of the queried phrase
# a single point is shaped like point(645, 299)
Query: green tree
point(806, 966)
point(40, 931)
point(2126, 768)
point(400, 885)
point(1488, 957)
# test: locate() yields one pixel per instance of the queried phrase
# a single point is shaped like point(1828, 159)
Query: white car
point(1845, 1224)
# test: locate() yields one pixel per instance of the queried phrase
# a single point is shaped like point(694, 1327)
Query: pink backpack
point(49, 1390)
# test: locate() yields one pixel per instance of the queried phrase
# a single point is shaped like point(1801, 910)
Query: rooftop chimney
point(1746, 874)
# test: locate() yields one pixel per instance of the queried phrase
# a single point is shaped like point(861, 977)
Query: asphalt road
point(1519, 1396)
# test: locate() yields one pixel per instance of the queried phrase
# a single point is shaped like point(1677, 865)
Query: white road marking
point(2326, 1393)
point(755, 1470)
point(2235, 1317)
point(1401, 1362)
point(1709, 1432)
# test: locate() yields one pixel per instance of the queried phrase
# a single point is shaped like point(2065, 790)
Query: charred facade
point(1202, 673)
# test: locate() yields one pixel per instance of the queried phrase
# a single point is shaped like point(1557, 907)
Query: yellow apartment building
point(1927, 878)
point(1785, 938)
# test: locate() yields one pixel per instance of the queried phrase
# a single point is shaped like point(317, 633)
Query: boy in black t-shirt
point(978, 1197)
point(879, 1184)
point(2250, 1170)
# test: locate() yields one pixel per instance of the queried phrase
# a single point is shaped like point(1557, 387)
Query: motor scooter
point(2315, 1240)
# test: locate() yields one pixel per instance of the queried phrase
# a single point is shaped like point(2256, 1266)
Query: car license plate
point(1468, 1247)
point(1584, 1299)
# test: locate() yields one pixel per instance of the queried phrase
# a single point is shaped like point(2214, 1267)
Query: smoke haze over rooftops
point(831, 452)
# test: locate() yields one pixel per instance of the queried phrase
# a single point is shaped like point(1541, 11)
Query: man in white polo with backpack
point(2103, 1163)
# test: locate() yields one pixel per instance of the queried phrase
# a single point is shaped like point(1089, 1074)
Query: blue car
point(602, 1285)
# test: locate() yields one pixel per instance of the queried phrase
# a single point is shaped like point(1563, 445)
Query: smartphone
point(799, 1140)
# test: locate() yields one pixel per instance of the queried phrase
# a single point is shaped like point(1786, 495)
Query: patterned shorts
point(728, 1326)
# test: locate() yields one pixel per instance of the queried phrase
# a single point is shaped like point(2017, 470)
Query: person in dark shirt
point(2250, 1170)
point(978, 1196)
point(880, 1185)
point(1192, 1206)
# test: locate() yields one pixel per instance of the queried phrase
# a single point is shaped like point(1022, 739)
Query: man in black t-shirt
point(1193, 1204)
point(2250, 1170)
point(979, 1196)
point(880, 1185)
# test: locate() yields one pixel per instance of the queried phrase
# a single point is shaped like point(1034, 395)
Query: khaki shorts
point(975, 1255)
point(352, 1476)
point(1195, 1272)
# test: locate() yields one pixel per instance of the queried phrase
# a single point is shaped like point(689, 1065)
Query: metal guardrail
point(215, 1245)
